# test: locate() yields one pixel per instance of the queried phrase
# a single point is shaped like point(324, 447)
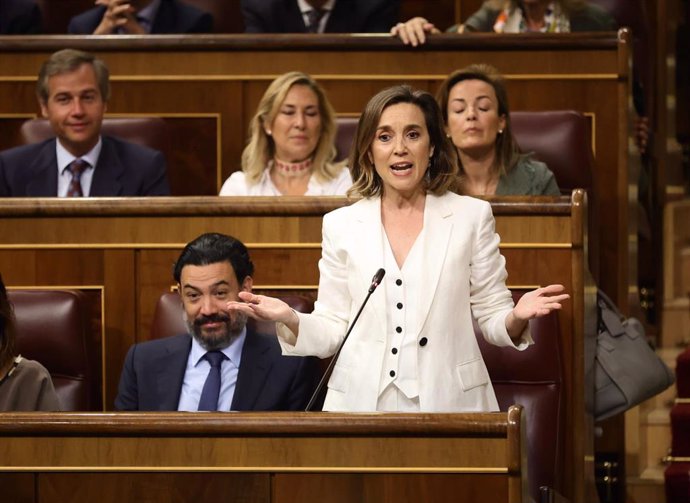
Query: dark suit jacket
point(173, 16)
point(123, 169)
point(152, 376)
point(348, 16)
point(19, 17)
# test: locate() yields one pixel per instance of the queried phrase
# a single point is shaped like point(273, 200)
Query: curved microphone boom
point(375, 281)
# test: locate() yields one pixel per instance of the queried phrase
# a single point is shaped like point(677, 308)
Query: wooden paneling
point(226, 75)
point(260, 457)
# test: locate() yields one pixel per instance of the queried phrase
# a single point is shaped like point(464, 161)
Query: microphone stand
point(374, 283)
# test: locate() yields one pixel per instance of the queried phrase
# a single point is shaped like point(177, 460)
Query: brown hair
point(7, 330)
point(69, 60)
point(507, 150)
point(443, 166)
point(260, 149)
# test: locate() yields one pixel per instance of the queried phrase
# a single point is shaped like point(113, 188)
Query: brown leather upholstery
point(167, 319)
point(149, 131)
point(347, 126)
point(562, 140)
point(53, 328)
point(534, 379)
point(227, 17)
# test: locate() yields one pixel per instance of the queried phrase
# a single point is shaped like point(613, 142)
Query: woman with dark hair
point(25, 385)
point(413, 347)
point(517, 16)
point(474, 103)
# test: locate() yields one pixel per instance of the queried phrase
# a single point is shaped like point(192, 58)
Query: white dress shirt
point(64, 159)
point(237, 185)
point(196, 373)
point(304, 8)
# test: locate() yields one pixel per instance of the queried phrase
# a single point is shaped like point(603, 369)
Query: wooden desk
point(263, 457)
point(208, 87)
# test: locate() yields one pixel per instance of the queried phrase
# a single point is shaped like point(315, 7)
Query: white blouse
point(237, 185)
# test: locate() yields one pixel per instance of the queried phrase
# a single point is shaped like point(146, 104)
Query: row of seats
point(561, 139)
point(53, 329)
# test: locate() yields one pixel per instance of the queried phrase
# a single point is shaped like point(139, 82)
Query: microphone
point(375, 281)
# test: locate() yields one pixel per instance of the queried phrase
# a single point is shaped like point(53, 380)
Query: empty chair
point(534, 379)
point(53, 327)
point(562, 140)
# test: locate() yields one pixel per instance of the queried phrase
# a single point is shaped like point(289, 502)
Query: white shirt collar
point(64, 158)
point(304, 7)
point(233, 351)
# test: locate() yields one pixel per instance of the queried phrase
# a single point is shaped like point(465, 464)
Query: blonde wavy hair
point(261, 147)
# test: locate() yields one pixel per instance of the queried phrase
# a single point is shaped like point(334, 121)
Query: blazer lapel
point(109, 169)
point(437, 232)
point(291, 19)
point(341, 18)
point(168, 369)
point(43, 172)
point(367, 253)
point(254, 369)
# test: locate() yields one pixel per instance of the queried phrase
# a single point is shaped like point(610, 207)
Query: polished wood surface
point(194, 79)
point(270, 457)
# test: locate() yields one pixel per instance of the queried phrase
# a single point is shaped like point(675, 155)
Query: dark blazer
point(348, 16)
point(153, 372)
point(19, 17)
point(123, 169)
point(173, 16)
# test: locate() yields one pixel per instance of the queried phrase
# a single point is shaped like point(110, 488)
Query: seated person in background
point(319, 16)
point(25, 385)
point(19, 17)
point(73, 89)
point(474, 103)
point(220, 364)
point(138, 17)
point(291, 150)
point(517, 16)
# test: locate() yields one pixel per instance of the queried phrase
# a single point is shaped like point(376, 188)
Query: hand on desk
point(118, 14)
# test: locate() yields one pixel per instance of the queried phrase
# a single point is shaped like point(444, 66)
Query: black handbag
point(627, 370)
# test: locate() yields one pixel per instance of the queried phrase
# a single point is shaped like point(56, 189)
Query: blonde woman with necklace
point(291, 150)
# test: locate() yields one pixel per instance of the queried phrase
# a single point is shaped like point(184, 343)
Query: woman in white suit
point(413, 347)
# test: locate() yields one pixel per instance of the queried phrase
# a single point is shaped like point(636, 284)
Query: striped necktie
point(76, 167)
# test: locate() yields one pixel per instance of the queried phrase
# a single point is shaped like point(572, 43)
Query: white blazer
point(465, 276)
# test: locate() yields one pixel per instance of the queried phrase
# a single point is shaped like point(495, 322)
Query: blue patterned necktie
point(76, 167)
point(211, 389)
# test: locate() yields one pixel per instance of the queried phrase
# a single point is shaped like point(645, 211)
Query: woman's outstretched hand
point(261, 307)
point(534, 304)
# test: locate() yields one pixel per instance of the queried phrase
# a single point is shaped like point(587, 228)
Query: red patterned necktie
point(77, 167)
